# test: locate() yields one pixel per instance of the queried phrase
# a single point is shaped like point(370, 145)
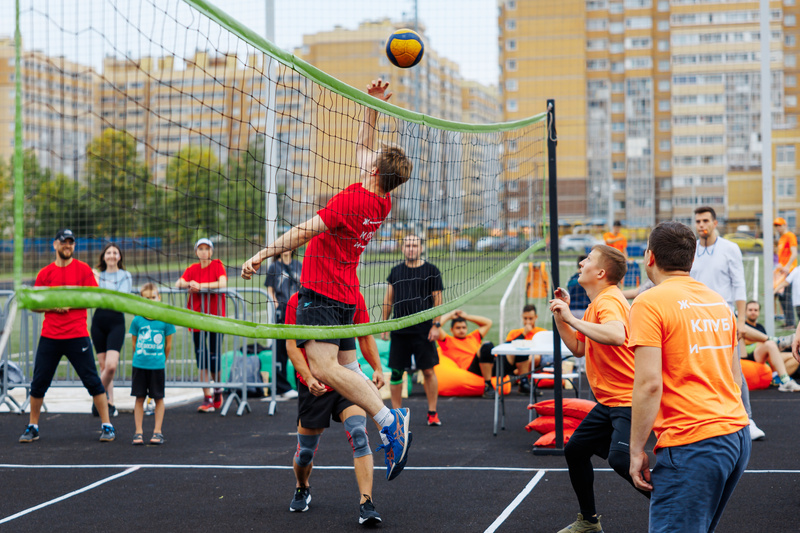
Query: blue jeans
point(693, 483)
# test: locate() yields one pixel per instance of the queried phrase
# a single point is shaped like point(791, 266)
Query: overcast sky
point(462, 30)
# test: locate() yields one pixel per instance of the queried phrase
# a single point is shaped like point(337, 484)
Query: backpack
point(15, 375)
point(246, 369)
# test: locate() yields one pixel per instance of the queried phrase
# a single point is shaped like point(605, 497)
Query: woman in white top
point(108, 327)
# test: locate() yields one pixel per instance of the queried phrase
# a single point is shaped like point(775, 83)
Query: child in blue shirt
point(152, 342)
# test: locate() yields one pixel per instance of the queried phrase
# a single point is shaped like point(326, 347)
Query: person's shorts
point(314, 309)
point(146, 382)
point(315, 412)
point(604, 429)
point(404, 346)
point(108, 330)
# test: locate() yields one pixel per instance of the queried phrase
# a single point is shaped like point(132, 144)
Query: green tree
point(244, 199)
point(117, 183)
point(194, 191)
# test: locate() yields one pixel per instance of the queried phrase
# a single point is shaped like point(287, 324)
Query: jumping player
point(601, 337)
point(318, 404)
point(686, 389)
point(337, 236)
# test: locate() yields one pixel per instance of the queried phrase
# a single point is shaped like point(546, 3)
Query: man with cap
point(64, 332)
point(205, 277)
point(787, 261)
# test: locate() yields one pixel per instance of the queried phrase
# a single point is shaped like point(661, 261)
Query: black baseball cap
point(64, 234)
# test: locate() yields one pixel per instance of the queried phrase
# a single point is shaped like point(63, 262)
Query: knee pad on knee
point(397, 376)
point(356, 427)
point(306, 448)
point(620, 462)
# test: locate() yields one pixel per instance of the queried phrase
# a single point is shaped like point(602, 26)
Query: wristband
point(437, 324)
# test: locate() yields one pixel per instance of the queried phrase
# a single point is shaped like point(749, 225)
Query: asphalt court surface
point(233, 473)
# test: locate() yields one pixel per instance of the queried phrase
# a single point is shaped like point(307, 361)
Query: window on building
point(663, 5)
point(664, 145)
point(663, 65)
point(596, 24)
point(791, 100)
point(616, 28)
point(789, 40)
point(511, 24)
point(790, 216)
point(512, 85)
point(785, 187)
point(663, 86)
point(511, 106)
point(789, 20)
point(511, 65)
point(663, 25)
point(663, 45)
point(664, 165)
point(790, 60)
point(663, 105)
point(664, 205)
point(511, 45)
point(664, 125)
point(784, 154)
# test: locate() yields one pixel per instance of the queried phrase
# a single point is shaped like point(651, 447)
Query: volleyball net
point(154, 124)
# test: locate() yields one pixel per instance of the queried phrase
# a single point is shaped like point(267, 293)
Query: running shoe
point(207, 406)
point(488, 391)
point(789, 386)
point(756, 433)
point(367, 515)
point(583, 526)
point(108, 433)
point(31, 434)
point(433, 419)
point(112, 411)
point(398, 441)
point(301, 499)
point(217, 398)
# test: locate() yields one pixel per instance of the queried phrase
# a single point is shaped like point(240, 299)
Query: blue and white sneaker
point(108, 434)
point(31, 434)
point(399, 440)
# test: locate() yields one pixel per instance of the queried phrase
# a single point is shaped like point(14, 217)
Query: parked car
point(747, 243)
point(577, 243)
point(490, 244)
point(463, 245)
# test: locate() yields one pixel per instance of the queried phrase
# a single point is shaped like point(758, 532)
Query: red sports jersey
point(361, 316)
point(352, 217)
point(72, 324)
point(204, 302)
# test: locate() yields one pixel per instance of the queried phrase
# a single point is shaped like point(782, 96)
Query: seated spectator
point(467, 349)
point(526, 332)
point(760, 347)
point(578, 299)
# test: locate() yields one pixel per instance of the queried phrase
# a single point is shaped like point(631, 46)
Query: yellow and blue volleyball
point(404, 48)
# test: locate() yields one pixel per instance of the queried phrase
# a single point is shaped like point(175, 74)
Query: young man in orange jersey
point(686, 389)
point(468, 349)
point(522, 363)
point(601, 338)
point(329, 285)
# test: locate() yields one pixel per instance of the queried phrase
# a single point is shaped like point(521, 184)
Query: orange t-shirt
point(696, 332)
point(462, 351)
point(609, 368)
point(620, 245)
point(516, 334)
point(785, 244)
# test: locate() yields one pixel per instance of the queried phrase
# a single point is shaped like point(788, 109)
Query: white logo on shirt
point(372, 222)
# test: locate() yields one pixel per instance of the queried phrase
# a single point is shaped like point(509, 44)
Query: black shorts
point(404, 346)
point(315, 412)
point(146, 382)
point(604, 429)
point(108, 330)
point(314, 309)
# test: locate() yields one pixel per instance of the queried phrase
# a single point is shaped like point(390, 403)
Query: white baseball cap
point(204, 241)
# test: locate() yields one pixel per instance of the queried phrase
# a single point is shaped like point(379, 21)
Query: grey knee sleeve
point(306, 448)
point(356, 427)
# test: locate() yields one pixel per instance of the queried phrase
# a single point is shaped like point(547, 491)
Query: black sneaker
point(488, 390)
point(112, 411)
point(524, 387)
point(95, 412)
point(302, 497)
point(108, 434)
point(31, 434)
point(368, 516)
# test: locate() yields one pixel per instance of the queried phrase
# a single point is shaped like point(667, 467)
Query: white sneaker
point(789, 386)
point(755, 432)
point(290, 394)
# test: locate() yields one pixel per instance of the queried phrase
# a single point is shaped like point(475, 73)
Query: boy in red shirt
point(338, 234)
point(64, 332)
point(206, 276)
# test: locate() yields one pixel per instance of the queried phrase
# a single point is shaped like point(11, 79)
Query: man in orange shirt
point(617, 240)
point(787, 261)
point(686, 389)
point(601, 337)
point(468, 349)
point(526, 332)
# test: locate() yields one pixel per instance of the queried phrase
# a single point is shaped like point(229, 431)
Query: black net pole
point(552, 141)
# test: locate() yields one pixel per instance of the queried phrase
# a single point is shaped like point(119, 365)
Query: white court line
point(514, 504)
point(70, 495)
point(345, 467)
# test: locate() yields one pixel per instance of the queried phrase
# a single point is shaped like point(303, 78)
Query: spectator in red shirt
point(329, 290)
point(64, 332)
point(205, 277)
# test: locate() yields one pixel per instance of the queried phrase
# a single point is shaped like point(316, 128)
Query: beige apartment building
point(658, 103)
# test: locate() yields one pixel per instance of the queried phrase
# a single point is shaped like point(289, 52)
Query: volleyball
point(404, 48)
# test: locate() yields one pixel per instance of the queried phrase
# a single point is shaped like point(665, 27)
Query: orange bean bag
point(455, 381)
point(574, 407)
point(758, 375)
point(548, 440)
point(546, 424)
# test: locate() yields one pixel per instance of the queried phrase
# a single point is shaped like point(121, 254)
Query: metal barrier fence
point(181, 368)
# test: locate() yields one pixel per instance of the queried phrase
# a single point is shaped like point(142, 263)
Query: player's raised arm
point(365, 149)
point(291, 240)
